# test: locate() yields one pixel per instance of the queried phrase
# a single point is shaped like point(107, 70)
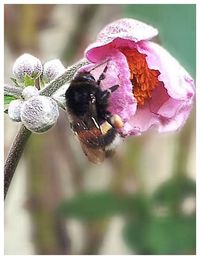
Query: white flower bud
point(39, 113)
point(27, 64)
point(14, 110)
point(30, 91)
point(52, 69)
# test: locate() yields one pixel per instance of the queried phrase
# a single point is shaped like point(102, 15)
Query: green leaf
point(8, 99)
point(161, 235)
point(15, 81)
point(91, 206)
point(97, 205)
point(42, 83)
point(174, 191)
point(28, 80)
point(134, 235)
point(172, 235)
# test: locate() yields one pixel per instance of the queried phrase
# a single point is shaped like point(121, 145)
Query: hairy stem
point(14, 156)
point(12, 90)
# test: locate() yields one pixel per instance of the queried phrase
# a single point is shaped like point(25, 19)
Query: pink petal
point(143, 120)
point(176, 122)
point(98, 51)
point(127, 29)
point(171, 103)
point(162, 104)
point(121, 32)
point(140, 122)
point(161, 112)
point(177, 81)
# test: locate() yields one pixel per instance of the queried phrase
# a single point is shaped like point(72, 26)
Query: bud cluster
point(38, 113)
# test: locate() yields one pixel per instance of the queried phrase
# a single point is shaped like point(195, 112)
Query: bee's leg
point(103, 75)
point(113, 88)
point(107, 93)
point(108, 118)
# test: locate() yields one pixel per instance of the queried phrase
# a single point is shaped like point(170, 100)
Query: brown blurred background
point(140, 202)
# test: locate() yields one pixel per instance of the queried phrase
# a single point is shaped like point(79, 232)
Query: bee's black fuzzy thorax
point(78, 96)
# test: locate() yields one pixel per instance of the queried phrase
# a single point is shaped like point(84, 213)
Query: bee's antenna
point(106, 61)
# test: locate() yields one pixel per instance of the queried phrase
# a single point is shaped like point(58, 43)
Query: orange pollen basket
point(144, 80)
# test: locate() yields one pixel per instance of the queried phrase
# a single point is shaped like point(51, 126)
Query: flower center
point(144, 80)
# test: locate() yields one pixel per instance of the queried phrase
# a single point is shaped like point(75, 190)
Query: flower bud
point(27, 64)
point(39, 113)
point(30, 91)
point(52, 69)
point(14, 110)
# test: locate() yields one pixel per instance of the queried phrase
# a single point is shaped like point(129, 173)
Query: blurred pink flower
point(154, 89)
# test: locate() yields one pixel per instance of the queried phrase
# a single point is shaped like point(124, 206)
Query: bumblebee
point(95, 127)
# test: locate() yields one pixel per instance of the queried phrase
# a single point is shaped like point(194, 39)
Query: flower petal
point(140, 122)
point(177, 81)
point(127, 29)
point(162, 112)
point(163, 105)
point(123, 31)
point(176, 122)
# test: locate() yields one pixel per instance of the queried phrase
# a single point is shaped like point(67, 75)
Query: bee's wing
point(89, 135)
point(96, 155)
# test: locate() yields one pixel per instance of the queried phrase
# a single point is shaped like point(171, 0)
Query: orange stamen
point(144, 79)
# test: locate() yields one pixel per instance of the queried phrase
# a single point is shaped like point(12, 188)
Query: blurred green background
point(142, 201)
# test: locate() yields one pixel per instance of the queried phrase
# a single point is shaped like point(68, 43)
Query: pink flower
point(154, 89)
